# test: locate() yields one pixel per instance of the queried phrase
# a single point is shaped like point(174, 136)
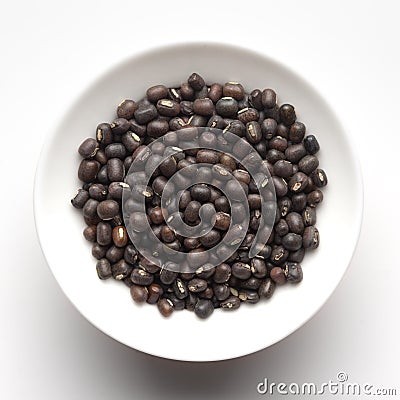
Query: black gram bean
point(227, 107)
point(156, 93)
point(131, 141)
point(180, 288)
point(274, 155)
point(255, 99)
point(115, 170)
point(88, 148)
point(292, 241)
point(137, 128)
point(252, 283)
point(90, 208)
point(197, 285)
point(139, 294)
point(221, 291)
point(281, 187)
point(126, 109)
point(196, 81)
point(207, 156)
point(295, 223)
point(268, 128)
point(104, 233)
point(297, 132)
point(114, 254)
point(308, 164)
point(104, 134)
point(155, 291)
point(281, 228)
point(119, 126)
point(249, 296)
point(89, 233)
point(268, 98)
point(319, 178)
point(145, 113)
point(241, 270)
point(295, 152)
point(222, 273)
point(309, 216)
point(314, 198)
point(88, 170)
point(121, 270)
point(81, 197)
point(99, 251)
point(167, 276)
point(165, 306)
point(107, 209)
point(103, 268)
point(204, 107)
point(168, 108)
point(279, 255)
point(231, 303)
point(253, 132)
point(248, 114)
point(311, 144)
point(287, 114)
point(297, 256)
point(234, 90)
point(278, 143)
point(310, 237)
point(98, 191)
point(293, 272)
point(215, 92)
point(120, 236)
point(141, 277)
point(283, 168)
point(299, 202)
point(298, 182)
point(267, 288)
point(130, 254)
point(210, 239)
point(203, 308)
point(277, 274)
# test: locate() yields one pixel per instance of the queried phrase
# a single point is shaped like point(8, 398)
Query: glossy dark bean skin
point(310, 237)
point(203, 308)
point(126, 109)
point(284, 206)
point(88, 170)
point(145, 113)
point(98, 192)
point(277, 274)
point(227, 107)
point(200, 192)
point(278, 143)
point(221, 291)
point(293, 272)
point(222, 221)
point(107, 209)
point(139, 294)
point(231, 303)
point(81, 197)
point(299, 202)
point(295, 152)
point(115, 150)
point(251, 284)
point(297, 132)
point(130, 254)
point(249, 296)
point(104, 134)
point(196, 81)
point(104, 233)
point(165, 306)
point(309, 216)
point(314, 198)
point(98, 251)
point(119, 126)
point(115, 170)
point(207, 156)
point(281, 228)
point(311, 144)
point(204, 107)
point(279, 255)
point(167, 276)
point(268, 128)
point(222, 273)
point(241, 270)
point(114, 254)
point(274, 155)
point(267, 288)
point(281, 187)
point(197, 285)
point(156, 93)
point(295, 223)
point(89, 233)
point(297, 256)
point(157, 127)
point(121, 270)
point(319, 178)
point(227, 161)
point(268, 98)
point(248, 114)
point(253, 132)
point(168, 108)
point(191, 213)
point(308, 164)
point(141, 277)
point(210, 239)
point(255, 99)
point(298, 182)
point(287, 114)
point(155, 291)
point(103, 268)
point(88, 148)
point(292, 241)
point(283, 168)
point(120, 236)
point(234, 90)
point(90, 208)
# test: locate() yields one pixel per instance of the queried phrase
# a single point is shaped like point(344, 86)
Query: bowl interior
point(225, 334)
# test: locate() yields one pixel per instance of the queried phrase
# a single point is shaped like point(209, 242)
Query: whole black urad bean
point(299, 202)
point(89, 233)
point(253, 132)
point(293, 272)
point(309, 216)
point(227, 107)
point(298, 182)
point(104, 134)
point(248, 114)
point(90, 208)
point(283, 168)
point(268, 98)
point(156, 93)
point(141, 277)
point(196, 81)
point(314, 198)
point(168, 108)
point(295, 223)
point(295, 152)
point(139, 294)
point(231, 303)
point(114, 254)
point(81, 197)
point(88, 148)
point(98, 192)
point(311, 144)
point(319, 178)
point(131, 141)
point(255, 99)
point(266, 289)
point(308, 164)
point(126, 109)
point(287, 114)
point(155, 291)
point(292, 241)
point(268, 128)
point(107, 209)
point(99, 251)
point(278, 275)
point(130, 254)
point(119, 126)
point(165, 306)
point(249, 296)
point(297, 132)
point(233, 89)
point(204, 107)
point(88, 170)
point(145, 113)
point(115, 170)
point(104, 233)
point(310, 237)
point(203, 308)
point(121, 270)
point(297, 256)
point(103, 268)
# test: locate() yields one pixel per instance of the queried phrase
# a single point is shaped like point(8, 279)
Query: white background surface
point(347, 49)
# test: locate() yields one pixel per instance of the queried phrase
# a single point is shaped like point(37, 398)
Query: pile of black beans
point(281, 141)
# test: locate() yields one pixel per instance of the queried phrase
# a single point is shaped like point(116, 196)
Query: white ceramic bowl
point(108, 305)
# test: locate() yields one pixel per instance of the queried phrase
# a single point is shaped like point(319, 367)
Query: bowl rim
point(182, 46)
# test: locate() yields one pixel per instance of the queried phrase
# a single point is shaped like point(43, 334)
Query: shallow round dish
point(108, 305)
